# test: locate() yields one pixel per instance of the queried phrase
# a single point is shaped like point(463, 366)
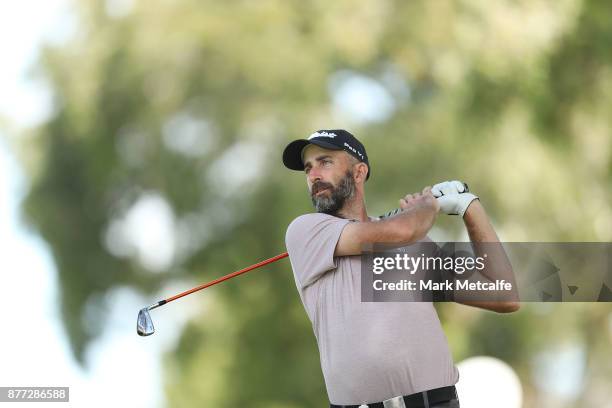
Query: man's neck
point(354, 210)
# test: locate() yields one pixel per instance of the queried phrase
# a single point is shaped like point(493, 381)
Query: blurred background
point(140, 148)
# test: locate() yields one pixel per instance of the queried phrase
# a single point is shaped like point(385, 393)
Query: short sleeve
point(311, 241)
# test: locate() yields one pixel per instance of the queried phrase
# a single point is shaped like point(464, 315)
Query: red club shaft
point(224, 278)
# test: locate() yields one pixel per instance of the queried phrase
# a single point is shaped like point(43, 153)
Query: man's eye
point(326, 162)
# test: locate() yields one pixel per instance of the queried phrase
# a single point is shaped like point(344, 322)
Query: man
point(372, 354)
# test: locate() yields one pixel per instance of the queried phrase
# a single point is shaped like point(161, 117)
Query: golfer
point(392, 354)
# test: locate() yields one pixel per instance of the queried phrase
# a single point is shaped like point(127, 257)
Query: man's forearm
point(498, 266)
point(416, 221)
point(477, 224)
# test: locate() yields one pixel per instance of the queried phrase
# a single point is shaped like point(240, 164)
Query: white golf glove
point(453, 196)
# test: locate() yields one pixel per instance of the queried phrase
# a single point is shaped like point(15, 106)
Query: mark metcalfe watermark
point(464, 271)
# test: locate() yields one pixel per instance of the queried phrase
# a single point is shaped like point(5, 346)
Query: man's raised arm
point(410, 225)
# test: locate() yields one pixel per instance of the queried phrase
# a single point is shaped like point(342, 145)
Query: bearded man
point(372, 354)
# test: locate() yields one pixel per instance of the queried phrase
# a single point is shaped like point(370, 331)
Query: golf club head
point(144, 324)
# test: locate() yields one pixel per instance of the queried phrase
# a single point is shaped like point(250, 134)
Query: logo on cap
point(322, 134)
point(352, 149)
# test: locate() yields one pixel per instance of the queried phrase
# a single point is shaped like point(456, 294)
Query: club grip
point(390, 213)
point(399, 210)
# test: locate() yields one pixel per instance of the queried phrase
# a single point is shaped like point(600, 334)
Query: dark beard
point(335, 201)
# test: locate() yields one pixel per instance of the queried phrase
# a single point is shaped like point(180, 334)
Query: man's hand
point(424, 198)
point(453, 197)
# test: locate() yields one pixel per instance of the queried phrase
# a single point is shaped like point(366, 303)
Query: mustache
point(320, 185)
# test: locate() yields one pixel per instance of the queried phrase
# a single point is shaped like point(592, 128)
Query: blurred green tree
point(192, 102)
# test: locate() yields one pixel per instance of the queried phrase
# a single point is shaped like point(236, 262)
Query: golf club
point(144, 323)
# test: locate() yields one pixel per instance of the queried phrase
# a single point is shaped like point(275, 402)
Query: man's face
point(329, 177)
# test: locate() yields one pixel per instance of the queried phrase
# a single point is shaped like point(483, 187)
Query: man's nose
point(314, 175)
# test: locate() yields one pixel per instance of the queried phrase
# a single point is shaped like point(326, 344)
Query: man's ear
point(361, 171)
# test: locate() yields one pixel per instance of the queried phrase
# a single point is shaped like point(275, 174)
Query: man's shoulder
point(306, 222)
point(312, 218)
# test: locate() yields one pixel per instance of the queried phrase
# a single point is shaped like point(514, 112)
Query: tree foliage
point(194, 101)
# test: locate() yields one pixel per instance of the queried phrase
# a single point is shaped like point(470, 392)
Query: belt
point(417, 400)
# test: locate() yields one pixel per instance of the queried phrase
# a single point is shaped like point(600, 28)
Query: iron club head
point(144, 324)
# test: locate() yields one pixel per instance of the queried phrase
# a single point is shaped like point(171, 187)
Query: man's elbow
point(507, 307)
point(410, 236)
